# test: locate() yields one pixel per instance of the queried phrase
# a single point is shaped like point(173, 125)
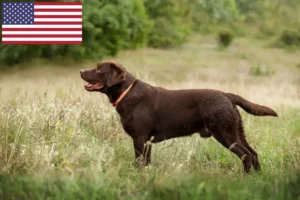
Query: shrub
point(225, 38)
point(172, 24)
point(225, 10)
point(112, 25)
point(267, 29)
point(289, 38)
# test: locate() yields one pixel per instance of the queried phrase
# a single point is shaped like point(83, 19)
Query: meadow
point(58, 141)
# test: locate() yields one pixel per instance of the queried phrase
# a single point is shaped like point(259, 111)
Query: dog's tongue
point(88, 85)
point(93, 86)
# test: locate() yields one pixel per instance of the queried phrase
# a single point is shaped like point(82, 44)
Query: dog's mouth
point(93, 86)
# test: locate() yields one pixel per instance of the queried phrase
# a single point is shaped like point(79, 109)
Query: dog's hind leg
point(255, 161)
point(242, 137)
point(229, 139)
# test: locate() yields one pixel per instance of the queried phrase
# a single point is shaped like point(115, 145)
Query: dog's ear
point(118, 74)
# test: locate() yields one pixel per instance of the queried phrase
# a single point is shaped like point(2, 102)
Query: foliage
point(171, 22)
point(217, 10)
point(289, 38)
point(111, 26)
point(225, 38)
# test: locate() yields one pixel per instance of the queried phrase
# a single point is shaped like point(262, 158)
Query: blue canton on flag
point(18, 13)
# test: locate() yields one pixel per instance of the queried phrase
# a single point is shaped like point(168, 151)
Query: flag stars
point(18, 13)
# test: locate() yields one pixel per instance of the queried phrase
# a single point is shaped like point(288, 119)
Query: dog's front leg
point(142, 150)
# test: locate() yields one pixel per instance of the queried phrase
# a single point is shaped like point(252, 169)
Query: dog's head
point(106, 74)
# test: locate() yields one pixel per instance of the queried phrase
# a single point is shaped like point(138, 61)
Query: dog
point(153, 114)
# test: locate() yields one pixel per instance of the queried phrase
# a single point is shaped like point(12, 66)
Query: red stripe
point(57, 3)
point(57, 10)
point(41, 29)
point(40, 36)
point(57, 16)
point(57, 23)
point(41, 42)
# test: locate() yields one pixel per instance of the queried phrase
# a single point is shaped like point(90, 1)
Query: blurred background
point(59, 141)
point(110, 26)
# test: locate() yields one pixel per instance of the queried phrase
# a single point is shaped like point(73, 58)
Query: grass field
point(58, 141)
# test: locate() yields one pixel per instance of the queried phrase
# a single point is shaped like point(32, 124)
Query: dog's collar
point(123, 94)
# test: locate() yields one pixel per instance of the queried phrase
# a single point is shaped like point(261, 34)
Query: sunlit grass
point(58, 140)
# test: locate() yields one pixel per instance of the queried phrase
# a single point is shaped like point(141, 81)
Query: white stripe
point(42, 26)
point(41, 39)
point(58, 7)
point(57, 19)
point(41, 32)
point(57, 13)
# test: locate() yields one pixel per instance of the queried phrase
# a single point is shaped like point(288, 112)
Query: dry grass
point(50, 127)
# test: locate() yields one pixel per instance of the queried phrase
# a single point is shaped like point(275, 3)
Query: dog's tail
point(250, 107)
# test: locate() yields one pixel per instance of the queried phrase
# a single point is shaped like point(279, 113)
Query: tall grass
point(61, 142)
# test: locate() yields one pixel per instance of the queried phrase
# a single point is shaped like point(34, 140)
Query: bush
point(225, 38)
point(172, 24)
point(289, 38)
point(175, 20)
point(112, 25)
point(266, 29)
point(221, 11)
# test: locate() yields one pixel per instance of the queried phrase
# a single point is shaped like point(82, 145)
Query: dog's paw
point(141, 161)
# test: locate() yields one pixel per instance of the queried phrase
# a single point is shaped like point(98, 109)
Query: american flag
point(42, 23)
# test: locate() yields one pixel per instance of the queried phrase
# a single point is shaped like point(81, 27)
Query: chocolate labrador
point(152, 114)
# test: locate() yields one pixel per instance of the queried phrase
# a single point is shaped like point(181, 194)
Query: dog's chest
point(128, 125)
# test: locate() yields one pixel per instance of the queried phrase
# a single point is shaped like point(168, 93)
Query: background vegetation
point(113, 25)
point(58, 141)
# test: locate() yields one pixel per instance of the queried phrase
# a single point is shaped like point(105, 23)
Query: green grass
point(58, 141)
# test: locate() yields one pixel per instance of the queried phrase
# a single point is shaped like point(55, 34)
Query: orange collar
point(123, 94)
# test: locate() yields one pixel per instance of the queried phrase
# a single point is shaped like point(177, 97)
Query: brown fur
point(157, 114)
